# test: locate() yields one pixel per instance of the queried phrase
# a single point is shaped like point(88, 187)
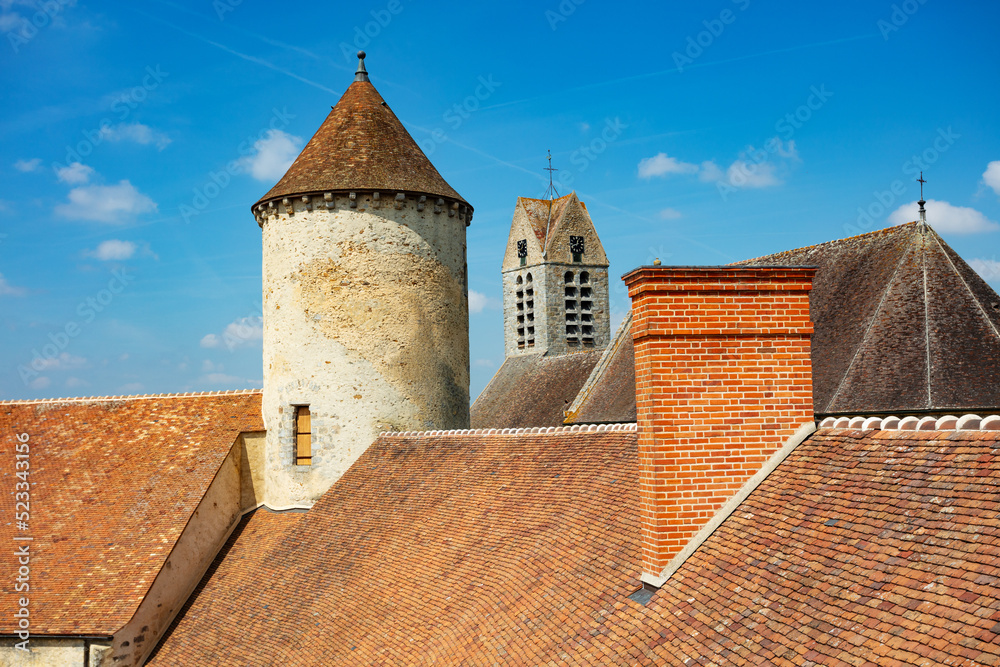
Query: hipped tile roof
point(861, 548)
point(902, 324)
point(113, 484)
point(533, 390)
point(361, 146)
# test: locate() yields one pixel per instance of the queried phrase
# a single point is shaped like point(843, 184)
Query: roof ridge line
point(982, 311)
point(624, 427)
point(825, 243)
point(136, 397)
point(868, 329)
point(927, 320)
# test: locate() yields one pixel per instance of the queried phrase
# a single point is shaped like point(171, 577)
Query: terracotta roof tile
point(609, 393)
point(533, 390)
point(522, 549)
point(361, 146)
point(114, 482)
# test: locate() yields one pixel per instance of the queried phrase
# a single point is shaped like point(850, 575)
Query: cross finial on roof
point(551, 193)
point(923, 212)
point(362, 73)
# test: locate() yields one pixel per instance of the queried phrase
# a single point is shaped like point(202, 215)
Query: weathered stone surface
point(365, 321)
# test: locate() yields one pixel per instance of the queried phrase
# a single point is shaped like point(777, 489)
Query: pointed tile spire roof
point(362, 146)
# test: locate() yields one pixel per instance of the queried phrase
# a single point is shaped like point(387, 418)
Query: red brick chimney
point(723, 379)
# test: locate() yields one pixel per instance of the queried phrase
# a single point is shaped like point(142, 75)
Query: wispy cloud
point(112, 204)
point(136, 133)
point(670, 214)
point(116, 250)
point(272, 156)
point(662, 164)
point(243, 332)
point(945, 217)
point(74, 174)
point(478, 302)
point(6, 289)
point(988, 269)
point(28, 165)
point(991, 177)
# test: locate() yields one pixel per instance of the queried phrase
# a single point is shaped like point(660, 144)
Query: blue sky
point(135, 136)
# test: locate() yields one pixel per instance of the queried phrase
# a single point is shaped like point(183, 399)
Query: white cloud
point(136, 132)
point(131, 388)
point(6, 289)
point(28, 165)
point(988, 269)
point(661, 164)
point(40, 382)
point(991, 176)
point(222, 379)
point(709, 171)
point(743, 174)
point(945, 218)
point(670, 214)
point(478, 302)
point(75, 382)
point(106, 203)
point(113, 249)
point(243, 332)
point(64, 362)
point(273, 155)
point(10, 21)
point(75, 174)
point(484, 363)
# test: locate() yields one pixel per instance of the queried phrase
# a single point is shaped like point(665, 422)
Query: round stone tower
point(366, 317)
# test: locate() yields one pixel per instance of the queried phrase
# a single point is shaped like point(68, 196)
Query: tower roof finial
point(551, 193)
point(362, 73)
point(923, 212)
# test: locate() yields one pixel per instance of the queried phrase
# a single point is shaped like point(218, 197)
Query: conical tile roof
point(362, 146)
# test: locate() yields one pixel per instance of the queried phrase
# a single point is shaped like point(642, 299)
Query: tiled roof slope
point(544, 214)
point(877, 548)
point(609, 393)
point(876, 329)
point(458, 549)
point(114, 482)
point(902, 324)
point(861, 548)
point(361, 146)
point(533, 390)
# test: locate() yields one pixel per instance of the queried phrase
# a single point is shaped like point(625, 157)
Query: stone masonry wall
point(366, 322)
point(723, 378)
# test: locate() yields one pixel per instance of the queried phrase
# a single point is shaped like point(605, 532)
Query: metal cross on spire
point(923, 212)
point(551, 193)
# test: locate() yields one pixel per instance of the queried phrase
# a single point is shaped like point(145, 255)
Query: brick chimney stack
point(723, 379)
